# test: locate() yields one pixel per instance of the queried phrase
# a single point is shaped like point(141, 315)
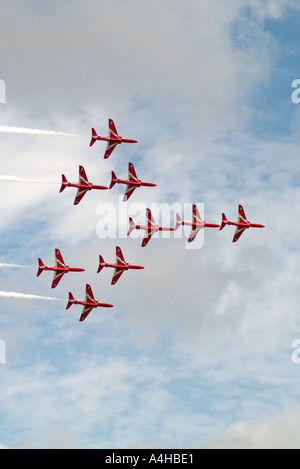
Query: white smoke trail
point(24, 296)
point(24, 180)
point(2, 265)
point(19, 130)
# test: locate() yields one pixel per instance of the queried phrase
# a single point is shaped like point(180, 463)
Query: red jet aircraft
point(120, 265)
point(241, 224)
point(197, 223)
point(82, 186)
point(150, 228)
point(132, 182)
point(59, 269)
point(89, 303)
point(112, 140)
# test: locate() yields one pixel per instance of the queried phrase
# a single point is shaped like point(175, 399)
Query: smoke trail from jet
point(14, 266)
point(24, 180)
point(19, 130)
point(24, 296)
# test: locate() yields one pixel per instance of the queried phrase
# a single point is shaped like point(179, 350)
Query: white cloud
point(277, 431)
point(217, 315)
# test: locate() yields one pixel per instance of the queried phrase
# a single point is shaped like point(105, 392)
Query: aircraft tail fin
point(41, 267)
point(113, 179)
point(64, 182)
point(101, 264)
point(94, 137)
point(71, 300)
point(132, 226)
point(224, 221)
point(178, 221)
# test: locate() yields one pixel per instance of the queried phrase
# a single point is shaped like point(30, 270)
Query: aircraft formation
point(132, 183)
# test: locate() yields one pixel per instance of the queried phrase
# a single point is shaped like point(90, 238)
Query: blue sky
point(197, 350)
point(273, 101)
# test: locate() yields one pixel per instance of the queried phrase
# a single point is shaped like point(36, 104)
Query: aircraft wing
point(197, 224)
point(242, 216)
point(117, 274)
point(119, 270)
point(128, 192)
point(89, 294)
point(150, 221)
point(59, 262)
point(83, 180)
point(85, 312)
point(132, 177)
point(194, 231)
point(57, 278)
point(110, 148)
point(147, 237)
point(196, 215)
point(80, 193)
point(119, 256)
point(82, 176)
point(238, 233)
point(132, 174)
point(113, 133)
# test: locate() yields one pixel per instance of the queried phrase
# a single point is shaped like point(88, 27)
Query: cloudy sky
point(197, 351)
